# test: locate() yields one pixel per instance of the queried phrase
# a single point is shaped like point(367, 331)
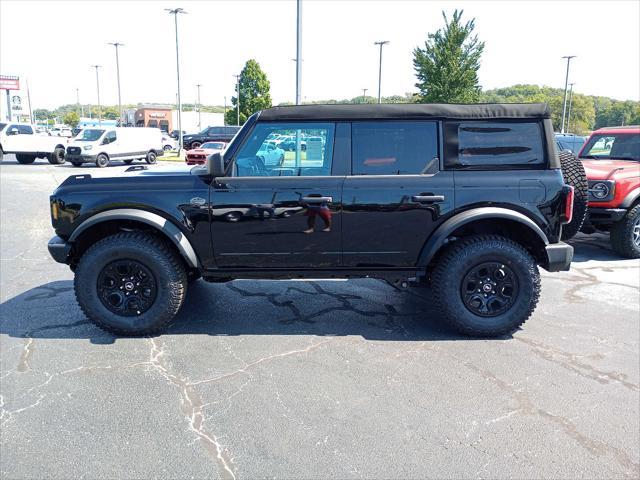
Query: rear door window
point(487, 145)
point(25, 130)
point(394, 148)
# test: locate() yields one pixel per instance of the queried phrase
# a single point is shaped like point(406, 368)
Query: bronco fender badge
point(197, 201)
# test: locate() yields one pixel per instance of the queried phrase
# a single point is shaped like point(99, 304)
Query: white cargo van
point(101, 145)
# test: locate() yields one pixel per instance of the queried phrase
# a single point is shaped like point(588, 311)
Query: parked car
point(569, 142)
point(270, 154)
point(611, 158)
point(198, 156)
point(176, 133)
point(61, 131)
point(383, 203)
point(168, 143)
point(209, 134)
point(22, 140)
point(102, 145)
point(289, 145)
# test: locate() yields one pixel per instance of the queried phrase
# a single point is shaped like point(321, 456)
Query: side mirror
point(215, 165)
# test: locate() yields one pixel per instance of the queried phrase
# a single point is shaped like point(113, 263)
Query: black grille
point(73, 150)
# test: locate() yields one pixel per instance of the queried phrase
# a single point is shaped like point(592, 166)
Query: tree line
point(446, 69)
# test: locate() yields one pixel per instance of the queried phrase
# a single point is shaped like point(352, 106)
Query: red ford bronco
point(611, 159)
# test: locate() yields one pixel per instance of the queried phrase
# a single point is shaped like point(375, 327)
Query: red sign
point(7, 82)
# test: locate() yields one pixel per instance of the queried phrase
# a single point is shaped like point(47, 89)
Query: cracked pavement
point(310, 379)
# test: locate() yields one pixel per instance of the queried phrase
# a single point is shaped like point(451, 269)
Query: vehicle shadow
point(369, 308)
point(595, 246)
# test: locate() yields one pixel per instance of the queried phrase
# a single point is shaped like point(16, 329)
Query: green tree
point(447, 67)
point(71, 118)
point(254, 93)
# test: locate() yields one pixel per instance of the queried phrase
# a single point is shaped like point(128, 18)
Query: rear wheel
point(57, 156)
point(102, 160)
point(574, 175)
point(25, 159)
point(130, 283)
point(151, 157)
point(625, 234)
point(486, 285)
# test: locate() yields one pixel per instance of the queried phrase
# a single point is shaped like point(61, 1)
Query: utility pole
point(199, 108)
point(364, 94)
point(298, 52)
point(381, 43)
point(98, 90)
point(118, 44)
point(570, 104)
point(224, 116)
point(566, 84)
point(238, 99)
point(29, 100)
point(175, 13)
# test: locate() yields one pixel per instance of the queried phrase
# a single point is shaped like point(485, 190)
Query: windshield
point(213, 145)
point(621, 146)
point(89, 135)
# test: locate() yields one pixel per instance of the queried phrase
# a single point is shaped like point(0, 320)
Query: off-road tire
point(460, 258)
point(128, 162)
point(57, 156)
point(25, 159)
point(622, 234)
point(158, 257)
point(574, 175)
point(151, 158)
point(102, 160)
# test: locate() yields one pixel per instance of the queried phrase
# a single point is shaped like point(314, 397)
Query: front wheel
point(625, 234)
point(102, 160)
point(486, 285)
point(130, 284)
point(195, 145)
point(57, 156)
point(25, 159)
point(151, 157)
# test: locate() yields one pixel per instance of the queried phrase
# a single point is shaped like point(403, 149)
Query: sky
point(53, 44)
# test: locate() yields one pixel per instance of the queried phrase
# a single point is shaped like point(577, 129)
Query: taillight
point(568, 204)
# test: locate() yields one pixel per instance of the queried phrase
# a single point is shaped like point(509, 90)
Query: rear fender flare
point(439, 237)
point(165, 226)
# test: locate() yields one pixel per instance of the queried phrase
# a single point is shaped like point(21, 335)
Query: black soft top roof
point(407, 111)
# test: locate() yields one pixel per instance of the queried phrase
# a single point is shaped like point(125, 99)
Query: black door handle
point(428, 198)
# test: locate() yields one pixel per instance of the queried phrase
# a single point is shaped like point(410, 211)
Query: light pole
point(381, 43)
point(80, 107)
point(298, 51)
point(118, 44)
point(224, 116)
point(570, 104)
point(98, 90)
point(175, 12)
point(364, 94)
point(199, 108)
point(566, 83)
point(237, 99)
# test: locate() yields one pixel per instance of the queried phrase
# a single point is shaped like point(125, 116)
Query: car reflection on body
point(198, 156)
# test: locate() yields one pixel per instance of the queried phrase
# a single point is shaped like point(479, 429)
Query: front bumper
point(59, 249)
point(80, 158)
point(605, 216)
point(559, 256)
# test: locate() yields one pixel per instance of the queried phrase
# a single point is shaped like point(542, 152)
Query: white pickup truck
point(22, 140)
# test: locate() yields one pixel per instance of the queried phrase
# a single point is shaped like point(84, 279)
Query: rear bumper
point(605, 216)
point(59, 249)
point(559, 256)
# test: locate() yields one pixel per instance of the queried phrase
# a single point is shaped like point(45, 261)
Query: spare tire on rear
point(574, 175)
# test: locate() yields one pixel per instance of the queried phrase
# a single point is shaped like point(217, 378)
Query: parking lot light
point(98, 90)
point(175, 12)
point(566, 85)
point(118, 44)
point(381, 43)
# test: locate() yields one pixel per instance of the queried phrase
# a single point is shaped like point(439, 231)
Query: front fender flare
point(631, 198)
point(165, 226)
point(439, 237)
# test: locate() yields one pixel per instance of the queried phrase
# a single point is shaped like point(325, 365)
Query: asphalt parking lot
point(310, 379)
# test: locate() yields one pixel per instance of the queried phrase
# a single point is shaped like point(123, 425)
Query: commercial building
point(158, 116)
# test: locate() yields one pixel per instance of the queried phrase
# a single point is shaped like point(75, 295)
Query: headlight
point(87, 147)
point(600, 190)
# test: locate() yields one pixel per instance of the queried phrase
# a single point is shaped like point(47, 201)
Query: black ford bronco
point(468, 199)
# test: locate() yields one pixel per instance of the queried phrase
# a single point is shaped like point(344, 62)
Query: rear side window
point(25, 130)
point(486, 145)
point(394, 148)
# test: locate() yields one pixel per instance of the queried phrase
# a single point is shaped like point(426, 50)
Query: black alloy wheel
point(126, 287)
point(489, 289)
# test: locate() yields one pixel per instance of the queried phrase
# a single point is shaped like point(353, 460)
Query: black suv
point(468, 199)
point(209, 134)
